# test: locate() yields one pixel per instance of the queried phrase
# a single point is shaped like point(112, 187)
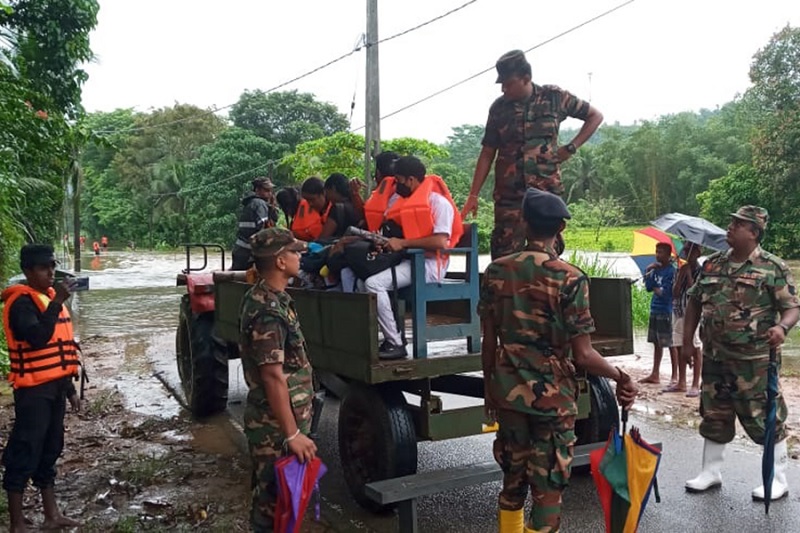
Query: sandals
point(692, 393)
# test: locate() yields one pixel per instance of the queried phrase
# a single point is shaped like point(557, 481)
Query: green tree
point(287, 117)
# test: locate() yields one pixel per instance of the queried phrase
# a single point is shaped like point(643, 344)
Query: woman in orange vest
point(104, 243)
point(384, 194)
point(44, 359)
point(312, 213)
point(96, 248)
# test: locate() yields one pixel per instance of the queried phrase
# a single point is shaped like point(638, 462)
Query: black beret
point(33, 255)
point(542, 204)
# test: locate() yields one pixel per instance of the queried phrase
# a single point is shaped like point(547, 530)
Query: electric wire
point(359, 45)
point(472, 77)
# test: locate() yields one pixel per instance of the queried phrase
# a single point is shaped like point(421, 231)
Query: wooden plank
point(427, 483)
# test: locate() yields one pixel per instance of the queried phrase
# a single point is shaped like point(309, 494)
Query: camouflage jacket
point(270, 334)
point(740, 303)
point(539, 303)
point(525, 134)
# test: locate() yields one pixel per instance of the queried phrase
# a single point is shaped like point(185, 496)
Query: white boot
point(711, 476)
point(780, 487)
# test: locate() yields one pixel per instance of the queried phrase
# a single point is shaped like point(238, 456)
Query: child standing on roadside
point(658, 279)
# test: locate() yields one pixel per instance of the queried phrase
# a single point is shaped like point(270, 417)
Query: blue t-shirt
point(663, 278)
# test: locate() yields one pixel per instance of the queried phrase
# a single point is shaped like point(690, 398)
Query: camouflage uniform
point(525, 134)
point(270, 334)
point(739, 304)
point(534, 385)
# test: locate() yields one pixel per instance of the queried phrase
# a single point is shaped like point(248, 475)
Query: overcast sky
point(647, 59)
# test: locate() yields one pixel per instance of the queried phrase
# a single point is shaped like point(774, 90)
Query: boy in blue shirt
point(658, 279)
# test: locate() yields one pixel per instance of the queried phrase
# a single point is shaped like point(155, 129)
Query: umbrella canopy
point(644, 246)
point(625, 475)
point(694, 229)
point(297, 482)
point(768, 460)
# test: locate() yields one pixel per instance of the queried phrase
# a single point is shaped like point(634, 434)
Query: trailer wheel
point(603, 416)
point(202, 362)
point(377, 440)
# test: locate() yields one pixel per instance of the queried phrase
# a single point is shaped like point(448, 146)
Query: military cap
point(512, 63)
point(33, 255)
point(543, 204)
point(272, 241)
point(263, 183)
point(752, 213)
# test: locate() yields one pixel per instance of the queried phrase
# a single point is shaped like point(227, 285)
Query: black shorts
point(659, 330)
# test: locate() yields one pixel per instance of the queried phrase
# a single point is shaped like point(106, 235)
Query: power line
point(223, 180)
point(539, 45)
point(357, 48)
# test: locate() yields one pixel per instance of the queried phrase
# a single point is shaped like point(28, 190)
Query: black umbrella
point(768, 459)
point(694, 229)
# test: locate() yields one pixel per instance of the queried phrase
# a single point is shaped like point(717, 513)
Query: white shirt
point(443, 215)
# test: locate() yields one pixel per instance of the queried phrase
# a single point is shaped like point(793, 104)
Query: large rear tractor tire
point(202, 362)
point(377, 440)
point(604, 416)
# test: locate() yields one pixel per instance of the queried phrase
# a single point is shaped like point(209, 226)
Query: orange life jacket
point(376, 205)
point(414, 215)
point(95, 245)
point(56, 359)
point(307, 224)
point(104, 241)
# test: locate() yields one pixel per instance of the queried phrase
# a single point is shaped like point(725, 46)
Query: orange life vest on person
point(95, 246)
point(376, 205)
point(307, 224)
point(104, 241)
point(414, 214)
point(56, 359)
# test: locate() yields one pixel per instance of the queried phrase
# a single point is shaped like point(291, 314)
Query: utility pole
point(372, 108)
point(77, 179)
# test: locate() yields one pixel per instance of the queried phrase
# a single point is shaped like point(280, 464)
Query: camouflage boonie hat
point(752, 213)
point(511, 63)
point(272, 241)
point(542, 204)
point(263, 183)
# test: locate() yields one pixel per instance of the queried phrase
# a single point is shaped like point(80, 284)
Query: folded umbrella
point(768, 460)
point(694, 229)
point(625, 475)
point(297, 482)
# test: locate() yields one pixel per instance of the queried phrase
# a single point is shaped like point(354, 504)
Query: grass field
point(618, 239)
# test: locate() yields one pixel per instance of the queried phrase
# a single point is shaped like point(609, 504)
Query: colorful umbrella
point(768, 460)
point(644, 246)
point(625, 474)
point(297, 482)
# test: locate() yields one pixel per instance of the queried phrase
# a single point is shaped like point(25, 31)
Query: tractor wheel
point(202, 362)
point(377, 440)
point(603, 416)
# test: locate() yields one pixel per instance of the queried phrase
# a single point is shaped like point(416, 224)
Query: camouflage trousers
point(509, 234)
point(266, 446)
point(737, 388)
point(534, 452)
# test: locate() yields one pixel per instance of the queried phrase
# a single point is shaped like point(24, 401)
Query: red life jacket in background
point(376, 205)
point(307, 224)
point(414, 214)
point(56, 359)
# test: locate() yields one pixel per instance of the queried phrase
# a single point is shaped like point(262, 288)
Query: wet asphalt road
point(473, 510)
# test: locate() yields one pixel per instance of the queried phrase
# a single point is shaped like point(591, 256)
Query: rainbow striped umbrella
point(644, 246)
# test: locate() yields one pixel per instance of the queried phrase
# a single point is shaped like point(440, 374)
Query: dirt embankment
point(125, 471)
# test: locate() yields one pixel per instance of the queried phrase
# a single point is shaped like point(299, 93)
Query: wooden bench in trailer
point(404, 491)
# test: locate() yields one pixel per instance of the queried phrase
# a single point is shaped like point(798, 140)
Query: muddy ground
point(143, 467)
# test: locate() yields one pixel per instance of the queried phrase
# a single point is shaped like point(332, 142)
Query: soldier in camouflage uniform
point(746, 301)
point(530, 379)
point(522, 131)
point(277, 417)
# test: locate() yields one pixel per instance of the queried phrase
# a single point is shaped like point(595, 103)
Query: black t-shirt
point(345, 215)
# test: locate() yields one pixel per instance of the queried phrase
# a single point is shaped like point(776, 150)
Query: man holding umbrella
point(747, 301)
point(534, 336)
